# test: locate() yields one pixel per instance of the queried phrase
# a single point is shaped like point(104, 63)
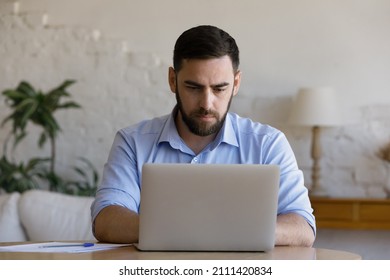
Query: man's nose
point(206, 99)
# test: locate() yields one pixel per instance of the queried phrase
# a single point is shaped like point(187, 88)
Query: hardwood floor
point(370, 244)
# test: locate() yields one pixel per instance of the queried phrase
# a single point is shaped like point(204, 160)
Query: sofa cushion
point(10, 227)
point(50, 216)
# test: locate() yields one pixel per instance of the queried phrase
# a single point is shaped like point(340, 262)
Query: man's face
point(204, 89)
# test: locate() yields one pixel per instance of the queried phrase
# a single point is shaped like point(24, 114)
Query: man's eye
point(219, 89)
point(192, 88)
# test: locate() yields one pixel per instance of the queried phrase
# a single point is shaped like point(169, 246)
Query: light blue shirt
point(239, 141)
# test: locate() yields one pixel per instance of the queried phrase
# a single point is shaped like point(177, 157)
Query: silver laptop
point(208, 207)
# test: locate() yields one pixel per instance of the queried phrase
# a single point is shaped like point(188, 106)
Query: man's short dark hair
point(204, 42)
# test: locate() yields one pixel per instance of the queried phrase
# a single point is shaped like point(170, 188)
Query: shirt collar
point(226, 134)
point(169, 132)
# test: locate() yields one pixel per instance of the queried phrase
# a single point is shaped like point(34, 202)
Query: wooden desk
point(131, 253)
point(351, 213)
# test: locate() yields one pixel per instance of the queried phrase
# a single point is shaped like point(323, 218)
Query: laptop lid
point(208, 207)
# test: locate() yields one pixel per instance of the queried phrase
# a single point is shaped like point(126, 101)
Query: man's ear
point(237, 82)
point(172, 79)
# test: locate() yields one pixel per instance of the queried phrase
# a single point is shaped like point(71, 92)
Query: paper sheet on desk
point(40, 247)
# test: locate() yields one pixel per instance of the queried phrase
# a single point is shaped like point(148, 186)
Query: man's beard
point(197, 127)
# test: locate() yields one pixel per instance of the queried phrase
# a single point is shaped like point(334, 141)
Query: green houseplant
point(34, 106)
point(22, 176)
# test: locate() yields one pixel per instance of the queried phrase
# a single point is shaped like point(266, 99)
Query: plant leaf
point(42, 139)
point(14, 94)
point(65, 84)
point(69, 104)
point(26, 88)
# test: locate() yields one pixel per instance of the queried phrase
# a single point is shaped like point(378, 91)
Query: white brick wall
point(118, 86)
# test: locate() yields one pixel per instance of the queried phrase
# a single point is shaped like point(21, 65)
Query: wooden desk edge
point(131, 253)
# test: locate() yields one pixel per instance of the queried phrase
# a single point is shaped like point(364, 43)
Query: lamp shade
point(315, 107)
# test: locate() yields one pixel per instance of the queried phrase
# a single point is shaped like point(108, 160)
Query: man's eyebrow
point(224, 84)
point(192, 83)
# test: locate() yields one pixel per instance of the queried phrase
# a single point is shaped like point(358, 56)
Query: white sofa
point(39, 215)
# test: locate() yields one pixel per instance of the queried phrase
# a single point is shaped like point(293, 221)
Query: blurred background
point(119, 51)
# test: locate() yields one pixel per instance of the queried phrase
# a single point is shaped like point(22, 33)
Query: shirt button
point(195, 159)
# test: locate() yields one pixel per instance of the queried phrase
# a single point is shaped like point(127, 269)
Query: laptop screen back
point(208, 207)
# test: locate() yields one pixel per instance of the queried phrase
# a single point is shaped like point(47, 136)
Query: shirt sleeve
point(293, 195)
point(120, 180)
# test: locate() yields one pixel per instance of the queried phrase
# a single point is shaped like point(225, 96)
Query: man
point(204, 79)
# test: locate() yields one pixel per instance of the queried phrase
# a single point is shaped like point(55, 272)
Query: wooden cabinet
point(351, 213)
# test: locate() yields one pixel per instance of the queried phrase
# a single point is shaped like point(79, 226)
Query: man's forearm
point(293, 230)
point(116, 224)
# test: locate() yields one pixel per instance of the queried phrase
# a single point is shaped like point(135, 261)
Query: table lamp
point(316, 108)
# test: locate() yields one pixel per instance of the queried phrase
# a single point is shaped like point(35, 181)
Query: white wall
point(284, 45)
